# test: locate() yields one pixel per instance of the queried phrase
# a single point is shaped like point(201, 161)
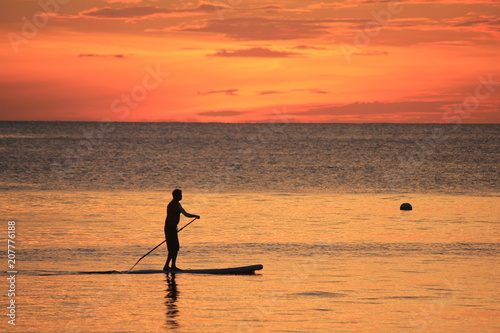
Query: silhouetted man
point(174, 210)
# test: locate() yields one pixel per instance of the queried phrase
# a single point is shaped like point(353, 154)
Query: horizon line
point(247, 122)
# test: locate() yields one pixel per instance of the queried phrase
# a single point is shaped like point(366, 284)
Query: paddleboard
point(229, 271)
point(232, 270)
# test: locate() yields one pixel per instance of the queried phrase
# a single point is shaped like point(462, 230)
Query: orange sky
point(250, 61)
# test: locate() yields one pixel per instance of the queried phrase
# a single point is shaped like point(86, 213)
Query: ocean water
point(316, 204)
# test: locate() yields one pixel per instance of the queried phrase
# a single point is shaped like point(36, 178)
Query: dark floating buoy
point(406, 206)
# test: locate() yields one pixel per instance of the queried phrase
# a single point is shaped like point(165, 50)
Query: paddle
point(157, 246)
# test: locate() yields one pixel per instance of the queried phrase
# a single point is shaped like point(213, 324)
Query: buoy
point(406, 206)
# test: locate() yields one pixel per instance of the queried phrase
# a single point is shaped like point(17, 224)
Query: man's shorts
point(172, 239)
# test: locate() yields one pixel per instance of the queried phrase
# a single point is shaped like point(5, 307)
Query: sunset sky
point(250, 61)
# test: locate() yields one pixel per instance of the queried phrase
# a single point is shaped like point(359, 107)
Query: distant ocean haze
point(279, 157)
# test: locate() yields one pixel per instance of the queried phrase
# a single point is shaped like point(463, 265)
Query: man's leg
point(169, 256)
point(166, 267)
point(174, 259)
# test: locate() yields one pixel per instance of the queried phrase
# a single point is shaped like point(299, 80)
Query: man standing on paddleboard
point(174, 210)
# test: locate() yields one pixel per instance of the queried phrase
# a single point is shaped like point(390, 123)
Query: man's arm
point(186, 214)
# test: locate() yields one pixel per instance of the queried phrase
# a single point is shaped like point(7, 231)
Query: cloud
point(307, 47)
point(477, 22)
point(255, 52)
point(102, 55)
point(221, 113)
point(208, 7)
point(322, 5)
point(416, 107)
point(371, 53)
point(313, 91)
point(257, 28)
point(230, 92)
point(449, 43)
point(123, 1)
point(310, 90)
point(142, 12)
point(269, 92)
point(121, 13)
point(276, 7)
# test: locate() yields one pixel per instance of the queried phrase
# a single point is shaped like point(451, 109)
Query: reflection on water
point(333, 262)
point(172, 311)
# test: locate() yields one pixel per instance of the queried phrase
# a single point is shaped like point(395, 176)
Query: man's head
point(177, 194)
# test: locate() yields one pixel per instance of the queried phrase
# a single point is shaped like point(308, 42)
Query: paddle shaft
point(157, 246)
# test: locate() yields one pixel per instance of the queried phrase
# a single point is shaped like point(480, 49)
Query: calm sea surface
point(316, 204)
